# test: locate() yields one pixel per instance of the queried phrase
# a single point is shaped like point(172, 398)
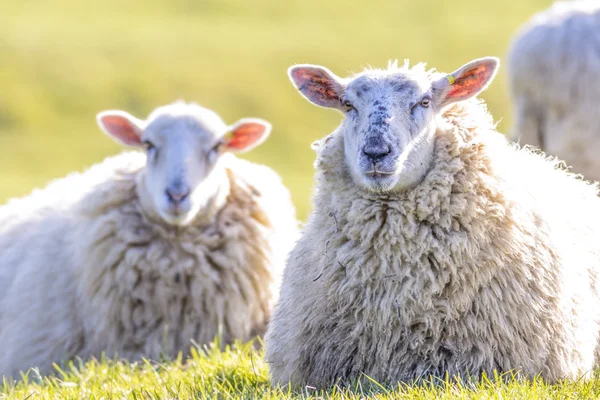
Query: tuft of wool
point(489, 264)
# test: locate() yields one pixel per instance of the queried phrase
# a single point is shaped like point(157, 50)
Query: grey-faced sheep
point(435, 245)
point(554, 77)
point(147, 251)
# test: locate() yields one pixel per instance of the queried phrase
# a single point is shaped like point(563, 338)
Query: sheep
point(435, 245)
point(554, 70)
point(147, 251)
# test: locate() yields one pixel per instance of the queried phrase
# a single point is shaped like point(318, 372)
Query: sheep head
point(390, 115)
point(183, 144)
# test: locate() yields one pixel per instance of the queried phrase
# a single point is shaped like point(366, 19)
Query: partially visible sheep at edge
point(435, 246)
point(143, 253)
point(554, 80)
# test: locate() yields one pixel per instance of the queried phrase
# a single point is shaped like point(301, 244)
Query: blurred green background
point(62, 61)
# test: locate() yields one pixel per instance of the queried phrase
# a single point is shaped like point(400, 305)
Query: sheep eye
point(214, 151)
point(348, 106)
point(217, 146)
point(425, 102)
point(149, 145)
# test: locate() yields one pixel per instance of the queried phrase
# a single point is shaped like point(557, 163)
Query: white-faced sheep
point(554, 76)
point(435, 245)
point(143, 253)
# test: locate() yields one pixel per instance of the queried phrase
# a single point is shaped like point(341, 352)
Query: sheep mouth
point(176, 215)
point(379, 174)
point(379, 180)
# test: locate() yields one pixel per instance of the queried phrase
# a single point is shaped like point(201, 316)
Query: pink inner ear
point(470, 82)
point(315, 83)
point(245, 135)
point(122, 129)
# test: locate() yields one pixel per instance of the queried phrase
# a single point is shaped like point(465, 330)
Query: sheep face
point(183, 144)
point(180, 172)
point(387, 130)
point(390, 115)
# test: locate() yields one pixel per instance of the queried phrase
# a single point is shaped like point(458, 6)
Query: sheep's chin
point(379, 183)
point(177, 219)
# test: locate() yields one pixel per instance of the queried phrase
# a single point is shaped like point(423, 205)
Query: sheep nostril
point(377, 153)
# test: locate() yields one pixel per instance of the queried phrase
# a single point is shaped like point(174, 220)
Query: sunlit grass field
point(241, 373)
point(62, 61)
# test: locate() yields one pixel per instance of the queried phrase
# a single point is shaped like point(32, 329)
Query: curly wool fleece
point(93, 273)
point(490, 263)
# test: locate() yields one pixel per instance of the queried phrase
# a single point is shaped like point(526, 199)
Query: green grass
point(65, 60)
point(242, 373)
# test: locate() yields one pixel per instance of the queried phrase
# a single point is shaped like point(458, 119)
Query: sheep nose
point(177, 195)
point(377, 152)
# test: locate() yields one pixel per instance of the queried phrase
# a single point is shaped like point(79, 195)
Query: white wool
point(84, 270)
point(490, 263)
point(554, 76)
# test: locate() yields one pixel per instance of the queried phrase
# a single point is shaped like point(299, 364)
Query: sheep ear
point(319, 85)
point(466, 82)
point(122, 127)
point(246, 134)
